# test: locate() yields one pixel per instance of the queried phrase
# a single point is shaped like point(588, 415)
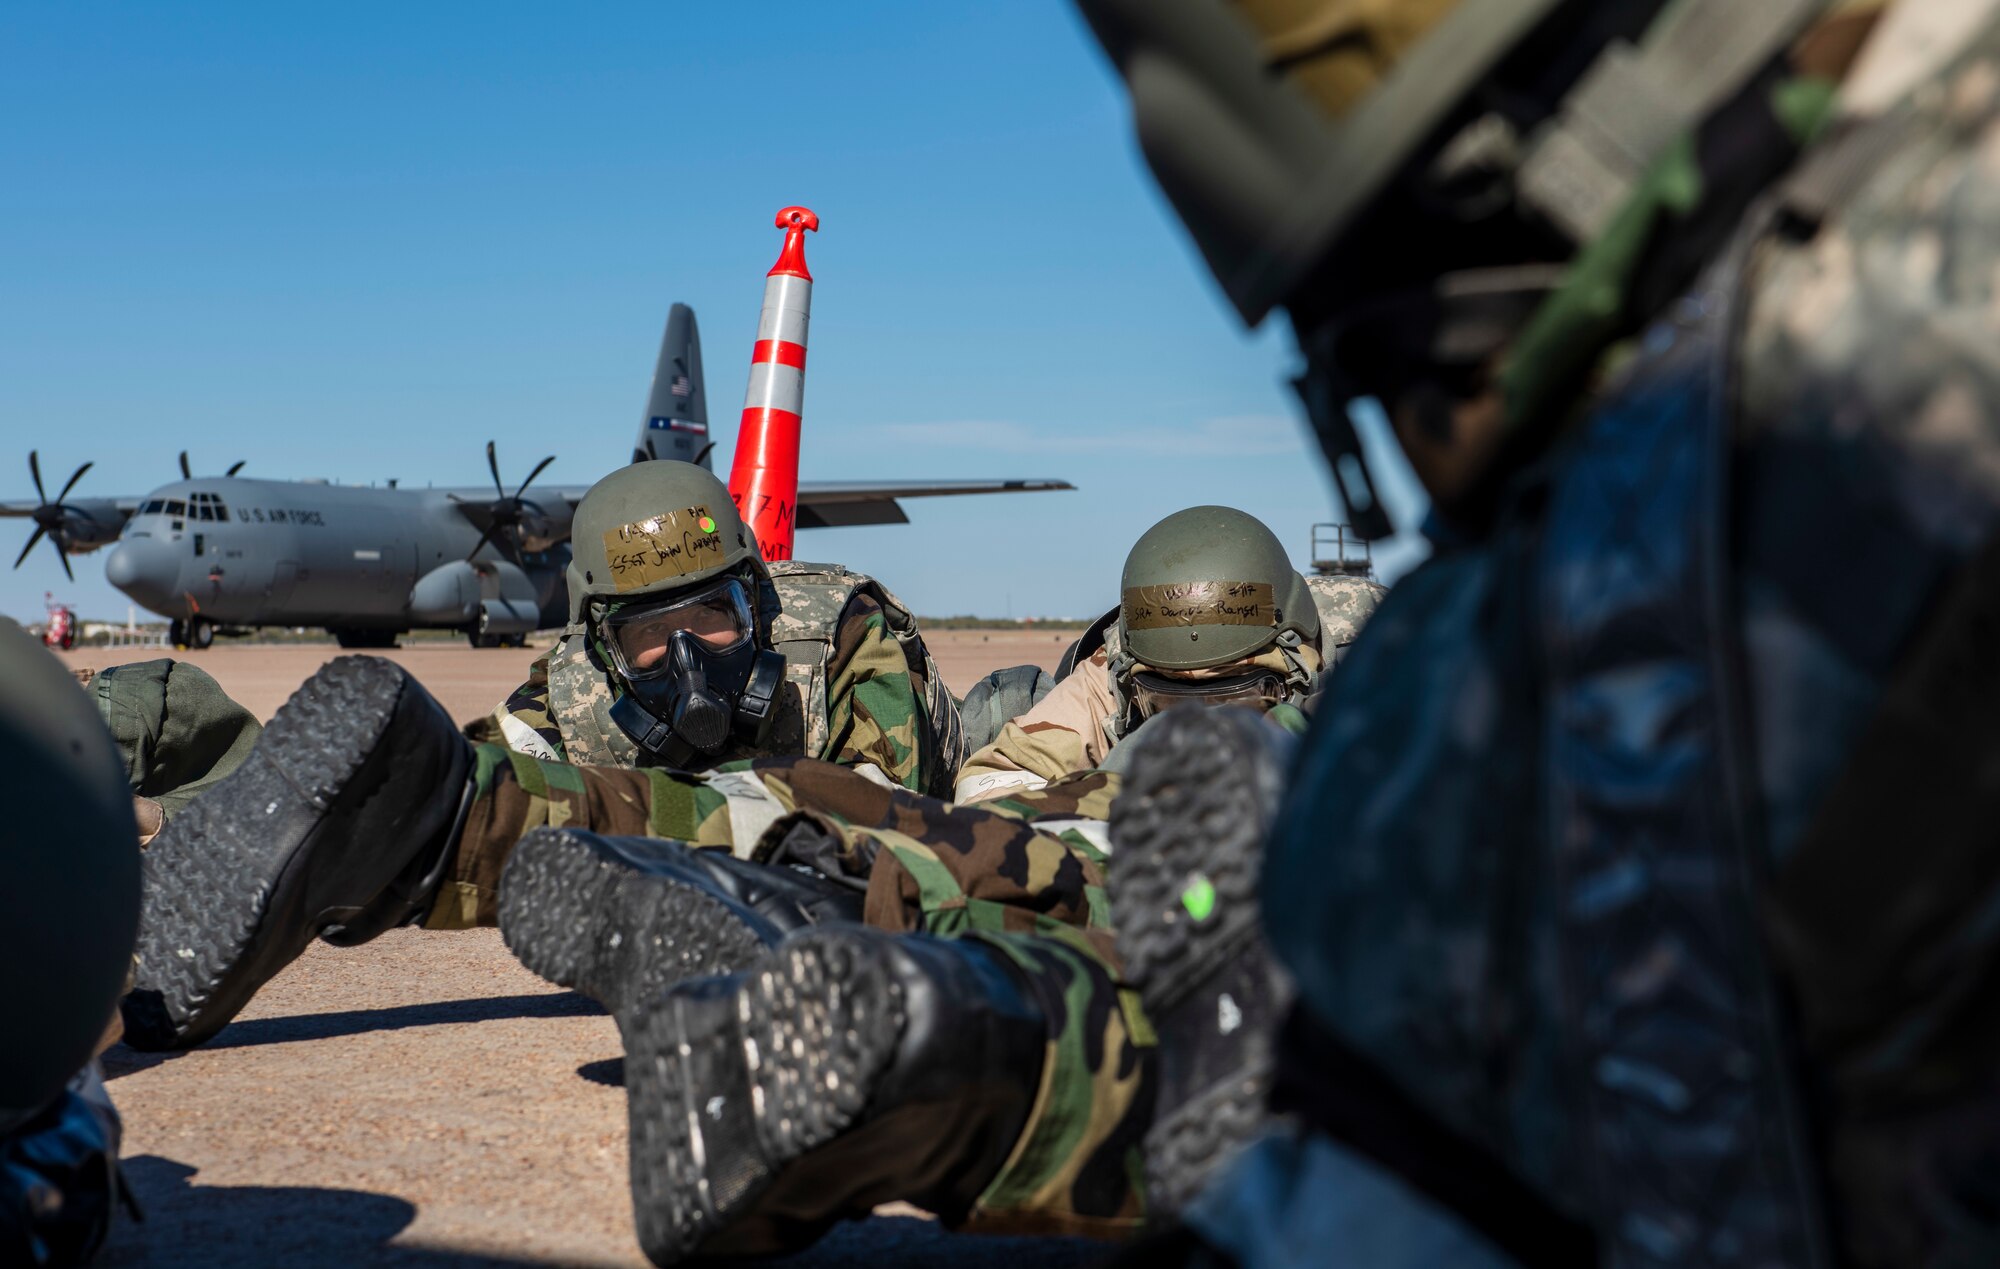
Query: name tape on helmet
point(661, 547)
point(1200, 604)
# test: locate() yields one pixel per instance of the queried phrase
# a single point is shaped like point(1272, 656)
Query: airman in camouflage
point(1636, 882)
point(655, 601)
point(1108, 690)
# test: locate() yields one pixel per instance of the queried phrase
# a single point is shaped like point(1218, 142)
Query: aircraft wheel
point(177, 634)
point(201, 635)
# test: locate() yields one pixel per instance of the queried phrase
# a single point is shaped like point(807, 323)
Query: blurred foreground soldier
point(1210, 612)
point(1638, 881)
point(69, 902)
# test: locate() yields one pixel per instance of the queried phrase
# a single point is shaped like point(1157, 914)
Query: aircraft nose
point(146, 570)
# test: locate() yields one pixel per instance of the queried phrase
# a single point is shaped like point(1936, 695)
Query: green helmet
point(69, 877)
point(1209, 586)
point(651, 529)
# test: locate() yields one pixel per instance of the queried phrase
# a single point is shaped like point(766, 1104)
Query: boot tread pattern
point(1195, 805)
point(803, 1037)
point(577, 915)
point(1185, 1144)
point(195, 924)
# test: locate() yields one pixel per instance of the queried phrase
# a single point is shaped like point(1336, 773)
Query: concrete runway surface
point(424, 1100)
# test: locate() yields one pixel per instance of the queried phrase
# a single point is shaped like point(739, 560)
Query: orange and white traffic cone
point(764, 478)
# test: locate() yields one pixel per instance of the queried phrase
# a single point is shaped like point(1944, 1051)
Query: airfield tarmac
point(424, 1100)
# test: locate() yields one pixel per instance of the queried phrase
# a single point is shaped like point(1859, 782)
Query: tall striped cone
point(764, 478)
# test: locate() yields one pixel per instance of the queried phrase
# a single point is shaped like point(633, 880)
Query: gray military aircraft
point(230, 553)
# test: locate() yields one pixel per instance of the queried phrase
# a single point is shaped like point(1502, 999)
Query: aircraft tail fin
point(676, 421)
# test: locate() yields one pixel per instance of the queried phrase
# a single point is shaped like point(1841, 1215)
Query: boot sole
point(1185, 826)
point(730, 1080)
point(579, 914)
point(200, 962)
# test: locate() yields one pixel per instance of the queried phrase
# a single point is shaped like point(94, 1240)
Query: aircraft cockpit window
point(176, 507)
point(153, 507)
point(208, 511)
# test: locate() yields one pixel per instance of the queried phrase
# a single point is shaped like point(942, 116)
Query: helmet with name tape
point(651, 529)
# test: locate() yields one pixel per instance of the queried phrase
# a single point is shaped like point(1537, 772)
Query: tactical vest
point(799, 607)
point(1525, 872)
point(1343, 603)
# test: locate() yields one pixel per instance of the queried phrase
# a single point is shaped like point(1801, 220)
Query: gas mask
point(694, 676)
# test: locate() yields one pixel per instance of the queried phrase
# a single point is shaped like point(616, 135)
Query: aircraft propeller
point(506, 514)
point(49, 516)
point(186, 474)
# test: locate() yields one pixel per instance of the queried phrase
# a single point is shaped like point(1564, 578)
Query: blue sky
point(356, 241)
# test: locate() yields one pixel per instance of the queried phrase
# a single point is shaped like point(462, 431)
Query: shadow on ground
point(303, 1227)
point(610, 1072)
point(124, 1060)
point(309, 1227)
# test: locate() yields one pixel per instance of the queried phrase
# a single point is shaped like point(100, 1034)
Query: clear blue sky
point(356, 241)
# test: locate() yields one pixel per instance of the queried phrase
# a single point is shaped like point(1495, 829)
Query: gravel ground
point(424, 1100)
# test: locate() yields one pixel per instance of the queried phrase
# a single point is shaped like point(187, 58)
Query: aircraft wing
point(125, 506)
point(826, 504)
point(829, 504)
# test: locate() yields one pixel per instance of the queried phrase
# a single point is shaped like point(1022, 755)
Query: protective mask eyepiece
point(1153, 692)
point(639, 634)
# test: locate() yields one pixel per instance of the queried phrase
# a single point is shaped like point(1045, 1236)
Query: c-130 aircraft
point(231, 553)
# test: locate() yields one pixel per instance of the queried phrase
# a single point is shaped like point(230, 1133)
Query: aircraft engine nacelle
point(448, 595)
point(543, 525)
point(494, 596)
point(88, 523)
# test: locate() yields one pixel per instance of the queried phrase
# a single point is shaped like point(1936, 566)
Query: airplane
point(230, 553)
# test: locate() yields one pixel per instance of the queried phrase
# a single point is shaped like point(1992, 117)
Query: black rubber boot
point(339, 822)
point(622, 919)
point(1187, 831)
point(847, 1068)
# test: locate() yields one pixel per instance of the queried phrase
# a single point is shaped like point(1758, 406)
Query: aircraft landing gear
point(477, 635)
point(192, 633)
